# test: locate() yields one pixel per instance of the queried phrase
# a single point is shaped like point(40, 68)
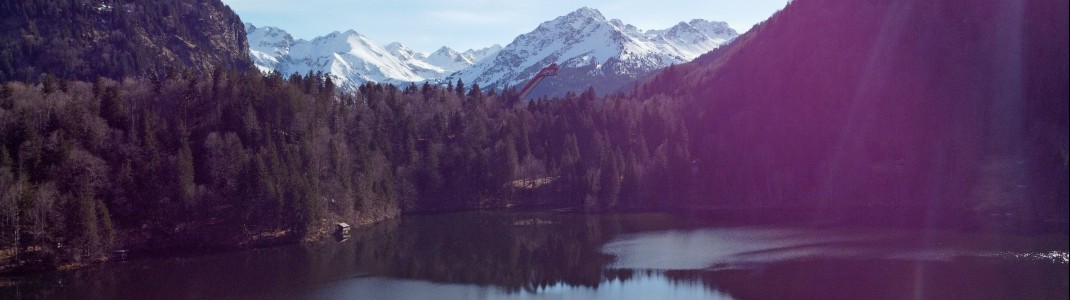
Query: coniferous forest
point(239, 158)
point(109, 142)
point(116, 38)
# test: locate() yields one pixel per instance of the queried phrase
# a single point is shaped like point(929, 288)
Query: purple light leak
point(925, 112)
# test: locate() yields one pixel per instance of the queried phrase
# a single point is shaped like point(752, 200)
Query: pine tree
point(184, 165)
point(460, 88)
point(475, 93)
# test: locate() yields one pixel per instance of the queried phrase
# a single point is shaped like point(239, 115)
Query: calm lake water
point(549, 255)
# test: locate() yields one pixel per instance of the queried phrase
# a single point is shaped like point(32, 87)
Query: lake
point(561, 255)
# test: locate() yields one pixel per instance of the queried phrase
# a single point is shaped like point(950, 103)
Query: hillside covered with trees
point(947, 110)
point(83, 39)
point(946, 107)
point(234, 158)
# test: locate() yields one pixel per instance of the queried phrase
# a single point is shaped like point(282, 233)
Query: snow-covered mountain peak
point(576, 20)
point(340, 45)
point(446, 51)
point(584, 43)
point(714, 29)
point(585, 40)
point(586, 12)
point(342, 38)
point(267, 45)
point(449, 59)
point(476, 55)
point(347, 56)
point(401, 51)
point(269, 39)
point(352, 58)
point(683, 30)
point(623, 26)
point(266, 31)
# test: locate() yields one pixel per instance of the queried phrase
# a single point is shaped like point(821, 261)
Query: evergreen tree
point(460, 88)
point(475, 93)
point(184, 165)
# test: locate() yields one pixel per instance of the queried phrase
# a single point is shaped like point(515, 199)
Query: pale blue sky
point(463, 24)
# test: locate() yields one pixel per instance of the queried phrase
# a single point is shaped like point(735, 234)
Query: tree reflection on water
point(536, 255)
point(512, 251)
point(532, 253)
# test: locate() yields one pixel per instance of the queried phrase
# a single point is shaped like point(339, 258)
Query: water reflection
point(655, 286)
point(547, 255)
point(724, 248)
point(747, 247)
point(527, 251)
point(728, 248)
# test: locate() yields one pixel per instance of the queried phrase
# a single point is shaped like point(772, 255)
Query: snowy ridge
point(587, 46)
point(416, 61)
point(449, 59)
point(351, 58)
point(585, 39)
point(480, 54)
point(267, 45)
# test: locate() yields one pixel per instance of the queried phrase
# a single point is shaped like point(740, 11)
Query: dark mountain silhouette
point(115, 38)
point(945, 106)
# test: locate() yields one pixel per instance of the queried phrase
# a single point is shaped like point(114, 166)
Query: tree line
point(228, 158)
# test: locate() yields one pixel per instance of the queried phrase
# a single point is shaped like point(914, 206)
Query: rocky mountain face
point(935, 109)
point(480, 54)
point(114, 38)
point(594, 51)
point(351, 58)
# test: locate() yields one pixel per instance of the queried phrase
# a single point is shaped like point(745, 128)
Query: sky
point(426, 25)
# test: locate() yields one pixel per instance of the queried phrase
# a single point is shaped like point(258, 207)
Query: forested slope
point(84, 39)
point(940, 106)
point(955, 109)
point(235, 158)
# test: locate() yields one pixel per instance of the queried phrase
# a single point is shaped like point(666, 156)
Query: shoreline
point(803, 216)
point(138, 247)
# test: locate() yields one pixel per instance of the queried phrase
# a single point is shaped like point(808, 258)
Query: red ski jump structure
point(547, 71)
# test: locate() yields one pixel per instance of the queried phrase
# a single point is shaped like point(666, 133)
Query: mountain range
point(591, 50)
point(594, 51)
point(352, 58)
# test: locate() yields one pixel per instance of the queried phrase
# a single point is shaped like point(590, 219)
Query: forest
point(233, 158)
point(915, 117)
point(84, 39)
